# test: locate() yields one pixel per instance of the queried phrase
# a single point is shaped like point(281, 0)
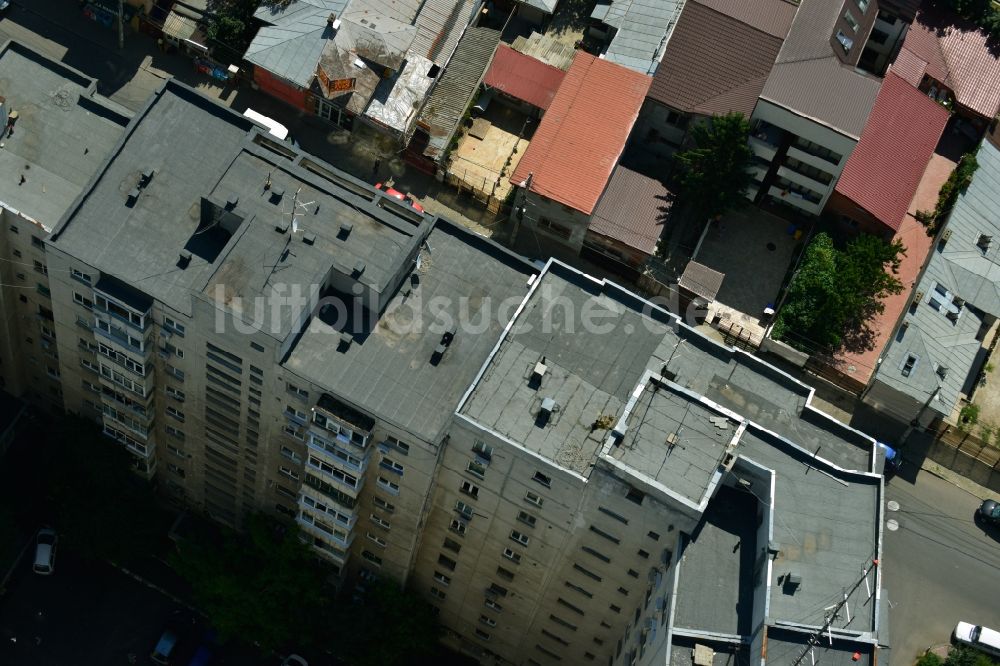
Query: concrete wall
point(655, 134)
point(539, 211)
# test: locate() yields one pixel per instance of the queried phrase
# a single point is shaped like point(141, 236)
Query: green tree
point(715, 173)
point(231, 27)
point(103, 511)
point(835, 295)
point(388, 625)
point(263, 583)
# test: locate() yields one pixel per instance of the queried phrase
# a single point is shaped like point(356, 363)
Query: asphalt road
point(940, 566)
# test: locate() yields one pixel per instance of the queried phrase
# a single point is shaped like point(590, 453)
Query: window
point(577, 588)
point(601, 556)
point(14, 229)
point(633, 573)
point(512, 555)
point(588, 573)
point(402, 447)
point(549, 634)
point(506, 574)
point(458, 527)
point(622, 590)
point(909, 363)
point(598, 641)
point(172, 325)
point(464, 509)
point(602, 533)
point(608, 512)
point(653, 535)
point(37, 243)
point(175, 469)
point(20, 276)
point(482, 635)
point(520, 538)
point(175, 393)
point(851, 21)
point(377, 540)
point(40, 267)
point(438, 594)
point(492, 605)
point(452, 545)
point(441, 578)
point(565, 604)
point(388, 485)
point(447, 562)
point(177, 451)
point(616, 609)
point(482, 450)
point(534, 499)
point(381, 522)
point(469, 489)
point(82, 300)
point(561, 622)
point(863, 6)
point(176, 413)
point(371, 557)
point(300, 393)
point(382, 504)
point(636, 496)
point(477, 470)
point(293, 413)
point(487, 620)
point(391, 465)
point(526, 518)
point(80, 275)
point(497, 589)
point(542, 479)
point(845, 41)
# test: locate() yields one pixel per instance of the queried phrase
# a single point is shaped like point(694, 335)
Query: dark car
point(989, 511)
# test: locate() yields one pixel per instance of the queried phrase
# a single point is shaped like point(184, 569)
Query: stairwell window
point(441, 578)
point(176, 413)
point(388, 485)
point(542, 479)
point(511, 555)
point(534, 499)
point(526, 518)
point(470, 489)
point(522, 539)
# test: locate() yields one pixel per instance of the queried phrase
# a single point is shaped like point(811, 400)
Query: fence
point(965, 454)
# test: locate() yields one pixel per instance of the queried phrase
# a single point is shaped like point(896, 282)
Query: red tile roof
point(632, 210)
point(582, 135)
point(523, 77)
point(883, 172)
point(959, 55)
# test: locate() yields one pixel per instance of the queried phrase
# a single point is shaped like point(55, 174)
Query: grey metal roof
point(454, 90)
point(809, 79)
point(389, 372)
point(440, 24)
point(381, 38)
point(64, 132)
point(643, 28)
point(965, 271)
point(203, 154)
point(397, 100)
point(291, 43)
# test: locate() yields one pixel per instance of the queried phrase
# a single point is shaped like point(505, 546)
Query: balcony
point(140, 346)
point(804, 149)
point(346, 482)
point(335, 455)
point(341, 516)
point(796, 199)
point(765, 139)
point(798, 178)
point(338, 538)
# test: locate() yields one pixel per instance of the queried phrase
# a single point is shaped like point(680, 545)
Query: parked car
point(989, 511)
point(45, 551)
point(982, 638)
point(396, 194)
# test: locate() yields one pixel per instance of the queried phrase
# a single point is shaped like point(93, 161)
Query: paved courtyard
point(754, 250)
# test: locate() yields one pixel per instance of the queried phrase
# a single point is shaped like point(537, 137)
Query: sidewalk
point(957, 480)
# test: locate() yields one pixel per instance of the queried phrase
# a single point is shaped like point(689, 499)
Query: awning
point(179, 27)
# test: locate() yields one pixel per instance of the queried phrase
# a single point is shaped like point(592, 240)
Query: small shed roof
point(523, 77)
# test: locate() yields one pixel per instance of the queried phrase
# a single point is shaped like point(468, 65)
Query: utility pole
point(121, 24)
point(815, 638)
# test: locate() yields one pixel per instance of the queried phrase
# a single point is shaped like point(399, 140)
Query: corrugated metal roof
point(643, 28)
point(809, 79)
point(701, 280)
point(582, 135)
point(966, 271)
point(697, 76)
point(523, 77)
point(454, 90)
point(439, 27)
point(773, 17)
point(397, 100)
point(292, 42)
point(545, 48)
point(632, 209)
point(885, 168)
point(959, 55)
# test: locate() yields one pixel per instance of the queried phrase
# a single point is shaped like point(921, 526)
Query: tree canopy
point(102, 509)
point(836, 293)
point(230, 26)
point(715, 173)
point(984, 13)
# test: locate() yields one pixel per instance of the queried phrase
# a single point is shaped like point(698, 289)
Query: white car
point(979, 637)
point(45, 551)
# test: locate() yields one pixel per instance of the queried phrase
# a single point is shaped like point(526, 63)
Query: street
point(940, 566)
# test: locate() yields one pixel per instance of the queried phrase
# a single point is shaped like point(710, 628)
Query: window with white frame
point(382, 504)
point(388, 485)
point(400, 446)
point(492, 605)
point(511, 555)
point(458, 527)
point(289, 472)
point(173, 326)
point(522, 539)
point(176, 394)
point(299, 392)
point(534, 499)
point(291, 412)
point(80, 275)
point(377, 540)
point(174, 432)
point(477, 470)
point(391, 465)
point(441, 578)
point(80, 299)
point(487, 620)
point(380, 521)
point(176, 413)
point(464, 509)
point(469, 489)
point(526, 518)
